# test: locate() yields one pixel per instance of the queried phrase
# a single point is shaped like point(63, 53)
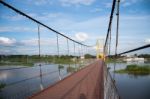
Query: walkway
point(84, 84)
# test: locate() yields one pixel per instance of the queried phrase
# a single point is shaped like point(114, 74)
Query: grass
point(135, 69)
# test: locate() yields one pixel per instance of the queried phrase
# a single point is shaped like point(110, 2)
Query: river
point(131, 86)
point(21, 83)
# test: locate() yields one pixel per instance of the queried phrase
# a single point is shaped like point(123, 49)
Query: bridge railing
point(110, 90)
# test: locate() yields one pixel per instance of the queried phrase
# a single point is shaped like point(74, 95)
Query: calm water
point(130, 86)
point(22, 83)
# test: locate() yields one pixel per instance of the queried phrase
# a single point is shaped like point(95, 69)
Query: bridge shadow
point(82, 96)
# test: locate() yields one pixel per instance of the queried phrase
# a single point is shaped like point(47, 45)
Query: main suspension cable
point(110, 22)
point(38, 22)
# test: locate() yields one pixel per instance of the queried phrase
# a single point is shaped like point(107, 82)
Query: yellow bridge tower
point(99, 50)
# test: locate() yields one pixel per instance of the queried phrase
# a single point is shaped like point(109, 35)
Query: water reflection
point(21, 83)
point(3, 76)
point(131, 86)
point(136, 76)
point(60, 67)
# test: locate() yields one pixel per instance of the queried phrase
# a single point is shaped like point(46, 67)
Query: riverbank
point(135, 69)
point(33, 63)
point(21, 60)
point(16, 64)
point(112, 60)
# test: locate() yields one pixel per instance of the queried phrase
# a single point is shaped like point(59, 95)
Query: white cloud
point(76, 2)
point(147, 41)
point(7, 41)
point(46, 16)
point(26, 46)
point(96, 10)
point(40, 2)
point(126, 3)
point(16, 17)
point(97, 26)
point(34, 41)
point(122, 1)
point(26, 42)
point(108, 5)
point(81, 36)
point(17, 29)
point(41, 17)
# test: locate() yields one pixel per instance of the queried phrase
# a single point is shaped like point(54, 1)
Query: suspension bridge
point(93, 80)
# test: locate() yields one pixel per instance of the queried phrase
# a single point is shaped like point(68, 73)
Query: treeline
point(43, 56)
point(144, 55)
point(122, 56)
point(31, 59)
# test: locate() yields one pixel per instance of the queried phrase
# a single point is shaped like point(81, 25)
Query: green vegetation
point(63, 60)
point(30, 60)
point(2, 85)
point(119, 59)
point(135, 69)
point(16, 63)
point(27, 60)
point(88, 56)
point(144, 55)
point(112, 60)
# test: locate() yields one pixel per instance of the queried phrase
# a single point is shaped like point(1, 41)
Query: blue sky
point(82, 20)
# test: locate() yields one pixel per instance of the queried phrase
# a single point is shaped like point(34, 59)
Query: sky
point(83, 20)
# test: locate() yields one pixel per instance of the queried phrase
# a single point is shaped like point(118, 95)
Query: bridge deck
point(84, 84)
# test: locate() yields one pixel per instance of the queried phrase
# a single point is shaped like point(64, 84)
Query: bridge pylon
point(99, 50)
